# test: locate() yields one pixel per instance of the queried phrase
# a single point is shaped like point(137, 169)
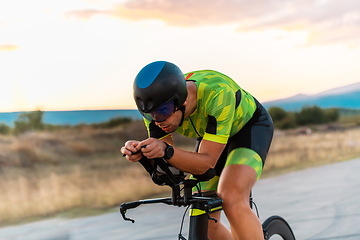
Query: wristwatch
point(169, 151)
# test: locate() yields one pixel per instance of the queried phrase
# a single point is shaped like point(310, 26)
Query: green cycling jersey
point(223, 108)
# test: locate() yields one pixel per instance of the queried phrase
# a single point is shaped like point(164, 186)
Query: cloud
point(86, 13)
point(8, 47)
point(191, 13)
point(186, 12)
point(327, 21)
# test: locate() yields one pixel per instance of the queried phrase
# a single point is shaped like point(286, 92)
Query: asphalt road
point(319, 203)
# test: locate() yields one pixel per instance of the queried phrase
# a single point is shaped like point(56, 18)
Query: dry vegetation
point(49, 172)
point(297, 151)
point(44, 173)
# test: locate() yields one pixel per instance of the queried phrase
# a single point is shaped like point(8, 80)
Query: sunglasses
point(162, 113)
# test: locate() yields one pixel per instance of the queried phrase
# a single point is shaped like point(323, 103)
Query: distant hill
point(342, 97)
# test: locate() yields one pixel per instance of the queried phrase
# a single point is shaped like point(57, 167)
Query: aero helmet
point(159, 83)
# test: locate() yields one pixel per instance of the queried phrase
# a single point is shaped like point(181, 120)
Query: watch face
point(169, 152)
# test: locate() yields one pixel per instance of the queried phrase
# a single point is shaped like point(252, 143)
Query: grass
point(80, 171)
point(294, 152)
point(25, 197)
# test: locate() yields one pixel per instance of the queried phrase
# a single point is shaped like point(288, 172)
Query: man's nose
point(158, 123)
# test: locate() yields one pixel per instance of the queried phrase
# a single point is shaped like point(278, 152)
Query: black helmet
point(158, 83)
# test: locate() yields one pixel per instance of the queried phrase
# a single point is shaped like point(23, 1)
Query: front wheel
point(277, 226)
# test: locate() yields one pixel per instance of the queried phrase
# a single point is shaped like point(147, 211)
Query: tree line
point(308, 115)
point(33, 121)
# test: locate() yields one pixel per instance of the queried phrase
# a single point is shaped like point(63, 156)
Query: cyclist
point(233, 129)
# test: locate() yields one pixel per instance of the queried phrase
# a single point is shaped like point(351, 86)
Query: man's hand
point(131, 150)
point(154, 148)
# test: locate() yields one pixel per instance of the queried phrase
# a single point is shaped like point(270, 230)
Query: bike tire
point(277, 226)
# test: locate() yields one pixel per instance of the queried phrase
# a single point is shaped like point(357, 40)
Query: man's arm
point(192, 162)
point(198, 162)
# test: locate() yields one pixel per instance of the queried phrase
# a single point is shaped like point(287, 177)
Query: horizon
point(83, 55)
point(117, 109)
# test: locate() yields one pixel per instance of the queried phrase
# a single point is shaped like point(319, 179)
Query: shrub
point(282, 119)
point(332, 114)
point(4, 129)
point(307, 115)
point(287, 123)
point(114, 122)
point(29, 121)
point(316, 115)
point(277, 113)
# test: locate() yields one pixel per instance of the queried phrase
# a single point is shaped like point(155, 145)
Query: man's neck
point(191, 99)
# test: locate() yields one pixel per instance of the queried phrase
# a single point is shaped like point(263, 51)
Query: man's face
point(171, 123)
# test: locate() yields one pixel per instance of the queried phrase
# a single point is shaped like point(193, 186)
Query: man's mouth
point(165, 128)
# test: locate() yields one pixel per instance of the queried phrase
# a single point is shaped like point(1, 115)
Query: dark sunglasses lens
point(163, 112)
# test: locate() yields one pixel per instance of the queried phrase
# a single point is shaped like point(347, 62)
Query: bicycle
point(201, 204)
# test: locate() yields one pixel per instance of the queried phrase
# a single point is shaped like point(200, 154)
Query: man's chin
point(169, 130)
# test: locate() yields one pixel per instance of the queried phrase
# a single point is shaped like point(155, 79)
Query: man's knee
point(236, 183)
point(235, 200)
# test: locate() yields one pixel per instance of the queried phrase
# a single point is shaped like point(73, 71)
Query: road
point(319, 203)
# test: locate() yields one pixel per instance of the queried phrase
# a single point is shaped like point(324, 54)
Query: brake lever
point(126, 218)
point(123, 209)
point(211, 218)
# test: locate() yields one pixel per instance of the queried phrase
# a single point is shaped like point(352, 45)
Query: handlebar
point(206, 203)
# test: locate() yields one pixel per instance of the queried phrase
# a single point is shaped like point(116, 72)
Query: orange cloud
point(85, 14)
point(185, 12)
point(181, 13)
point(7, 47)
point(326, 21)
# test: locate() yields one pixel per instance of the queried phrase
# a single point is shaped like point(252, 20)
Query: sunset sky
point(84, 54)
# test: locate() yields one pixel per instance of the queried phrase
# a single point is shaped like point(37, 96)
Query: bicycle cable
point(256, 208)
point(181, 237)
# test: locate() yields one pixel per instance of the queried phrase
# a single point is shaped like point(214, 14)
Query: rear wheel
point(276, 227)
